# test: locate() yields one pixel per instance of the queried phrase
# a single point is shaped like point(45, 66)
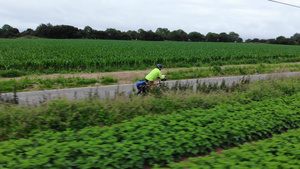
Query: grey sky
point(249, 18)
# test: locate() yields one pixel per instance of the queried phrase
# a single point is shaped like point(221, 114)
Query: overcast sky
point(261, 19)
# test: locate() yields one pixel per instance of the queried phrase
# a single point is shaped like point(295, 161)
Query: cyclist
point(154, 74)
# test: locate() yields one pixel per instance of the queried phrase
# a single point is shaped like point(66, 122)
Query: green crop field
point(160, 129)
point(52, 56)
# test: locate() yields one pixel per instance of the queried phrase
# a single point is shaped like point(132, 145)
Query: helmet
point(159, 66)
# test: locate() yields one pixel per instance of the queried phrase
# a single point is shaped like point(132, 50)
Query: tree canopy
point(161, 34)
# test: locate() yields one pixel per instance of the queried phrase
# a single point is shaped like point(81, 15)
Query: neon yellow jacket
point(155, 73)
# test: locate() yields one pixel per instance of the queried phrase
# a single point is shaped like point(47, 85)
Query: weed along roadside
point(38, 97)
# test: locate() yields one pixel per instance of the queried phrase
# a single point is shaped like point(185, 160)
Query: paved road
point(36, 97)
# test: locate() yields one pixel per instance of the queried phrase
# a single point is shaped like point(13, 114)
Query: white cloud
point(249, 18)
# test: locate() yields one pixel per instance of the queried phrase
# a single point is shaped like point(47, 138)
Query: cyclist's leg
point(151, 85)
point(139, 90)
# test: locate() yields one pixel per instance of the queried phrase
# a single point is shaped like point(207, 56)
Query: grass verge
point(30, 84)
point(232, 70)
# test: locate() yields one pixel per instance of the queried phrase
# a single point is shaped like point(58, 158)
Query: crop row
point(153, 140)
point(281, 151)
point(49, 55)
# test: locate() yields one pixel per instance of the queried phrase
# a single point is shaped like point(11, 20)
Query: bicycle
point(143, 86)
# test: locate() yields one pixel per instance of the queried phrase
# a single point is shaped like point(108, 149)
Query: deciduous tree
point(8, 31)
point(196, 37)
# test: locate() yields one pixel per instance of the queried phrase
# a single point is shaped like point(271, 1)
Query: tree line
point(161, 34)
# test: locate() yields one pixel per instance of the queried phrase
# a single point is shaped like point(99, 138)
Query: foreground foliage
point(281, 151)
point(61, 114)
point(153, 140)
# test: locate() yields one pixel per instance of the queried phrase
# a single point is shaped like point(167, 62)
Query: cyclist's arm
point(160, 75)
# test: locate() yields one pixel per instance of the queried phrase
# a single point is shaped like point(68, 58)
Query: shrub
point(108, 80)
point(12, 73)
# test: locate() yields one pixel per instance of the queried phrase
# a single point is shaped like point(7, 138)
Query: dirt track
point(124, 77)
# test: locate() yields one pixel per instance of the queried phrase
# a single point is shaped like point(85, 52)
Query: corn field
point(51, 55)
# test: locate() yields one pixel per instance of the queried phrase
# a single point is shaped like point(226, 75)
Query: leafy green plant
point(106, 80)
point(217, 69)
point(12, 73)
point(153, 140)
point(278, 152)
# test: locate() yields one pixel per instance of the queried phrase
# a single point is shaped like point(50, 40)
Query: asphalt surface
point(37, 97)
